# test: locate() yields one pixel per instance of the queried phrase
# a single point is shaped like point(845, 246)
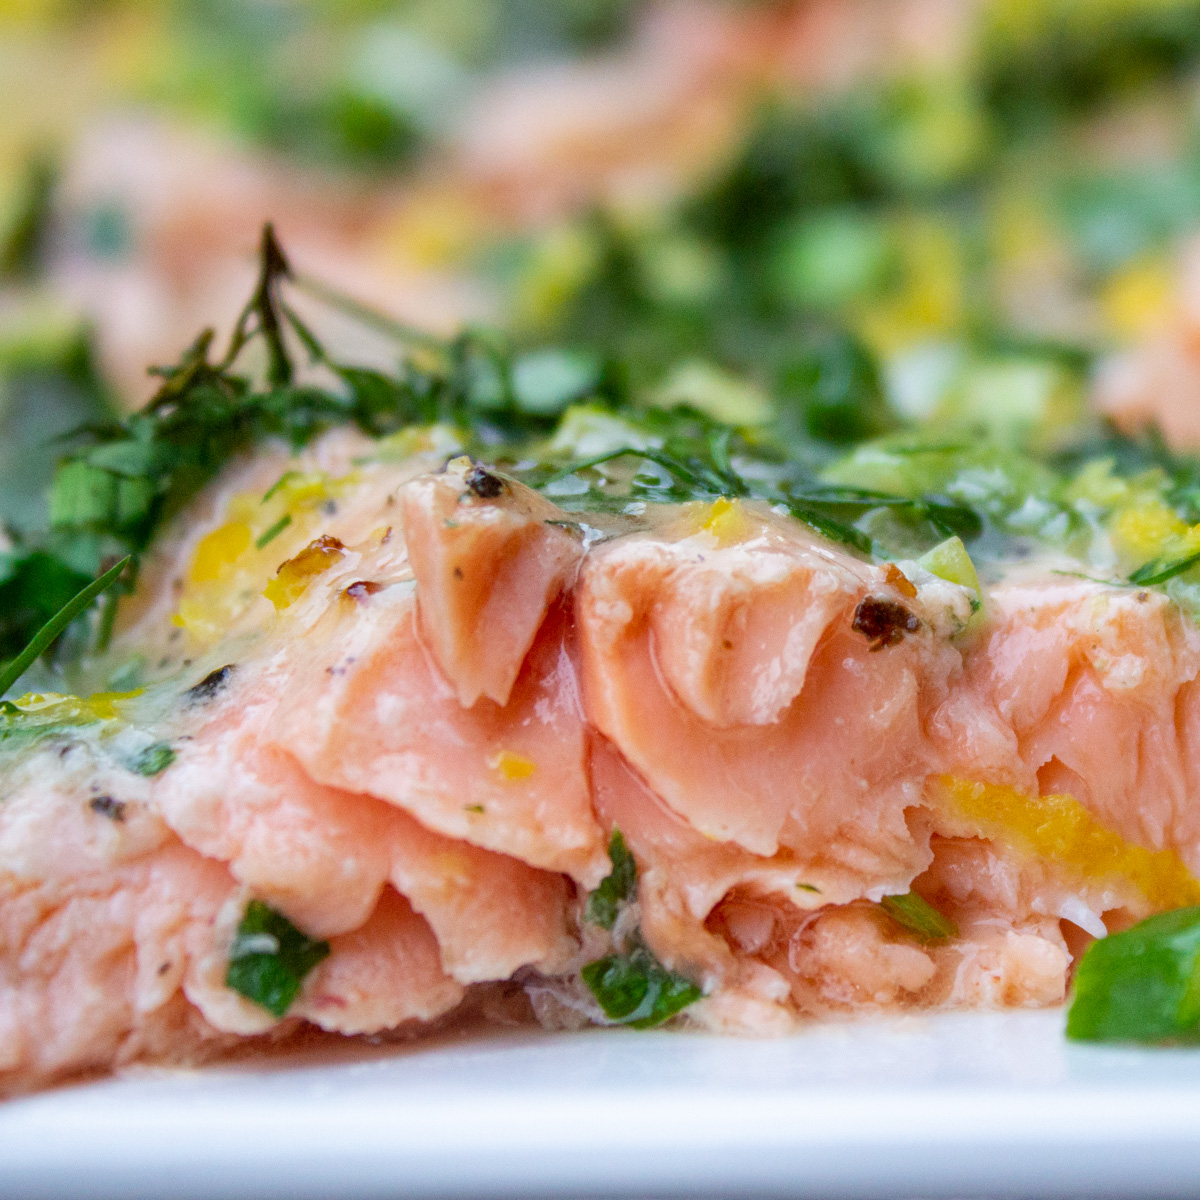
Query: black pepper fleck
point(210, 685)
point(106, 806)
point(483, 483)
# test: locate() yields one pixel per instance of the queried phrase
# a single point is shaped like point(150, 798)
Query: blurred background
point(963, 209)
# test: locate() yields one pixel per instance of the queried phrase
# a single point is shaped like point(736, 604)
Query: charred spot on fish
point(210, 685)
point(106, 806)
point(483, 483)
point(883, 622)
point(727, 644)
point(163, 968)
point(458, 572)
point(362, 590)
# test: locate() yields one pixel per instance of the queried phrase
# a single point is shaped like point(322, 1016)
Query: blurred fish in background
point(842, 214)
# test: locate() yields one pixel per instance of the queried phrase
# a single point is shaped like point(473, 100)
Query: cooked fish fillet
point(411, 719)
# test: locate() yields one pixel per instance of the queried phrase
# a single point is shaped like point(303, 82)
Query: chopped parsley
point(154, 759)
point(618, 888)
point(270, 958)
point(636, 989)
point(919, 917)
point(1142, 985)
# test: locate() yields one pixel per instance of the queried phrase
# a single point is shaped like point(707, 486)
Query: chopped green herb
point(154, 760)
point(46, 636)
point(271, 534)
point(281, 482)
point(918, 916)
point(617, 888)
point(636, 989)
point(270, 958)
point(1157, 571)
point(1142, 985)
point(808, 887)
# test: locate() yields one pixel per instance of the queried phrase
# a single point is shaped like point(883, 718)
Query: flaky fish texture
point(410, 718)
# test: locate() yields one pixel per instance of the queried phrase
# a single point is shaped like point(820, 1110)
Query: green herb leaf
point(46, 636)
point(271, 534)
point(1157, 571)
point(918, 916)
point(270, 958)
point(636, 989)
point(154, 759)
point(1142, 985)
point(619, 887)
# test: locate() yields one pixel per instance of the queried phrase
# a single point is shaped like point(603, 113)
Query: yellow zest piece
point(106, 704)
point(62, 706)
point(511, 767)
point(297, 573)
point(928, 300)
point(1143, 530)
point(1150, 529)
point(727, 521)
point(218, 551)
point(562, 262)
point(1139, 298)
point(1060, 829)
point(436, 228)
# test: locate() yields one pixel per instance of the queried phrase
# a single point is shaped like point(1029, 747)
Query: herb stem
point(44, 638)
point(338, 300)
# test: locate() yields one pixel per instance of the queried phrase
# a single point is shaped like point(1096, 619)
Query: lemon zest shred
point(1059, 828)
point(511, 767)
point(727, 520)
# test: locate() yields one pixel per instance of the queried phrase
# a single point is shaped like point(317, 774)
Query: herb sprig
point(121, 480)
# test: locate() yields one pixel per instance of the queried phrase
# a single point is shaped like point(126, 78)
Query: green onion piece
point(920, 917)
point(1156, 571)
point(44, 638)
point(618, 888)
point(636, 989)
point(270, 957)
point(275, 530)
point(282, 481)
point(1142, 985)
point(154, 760)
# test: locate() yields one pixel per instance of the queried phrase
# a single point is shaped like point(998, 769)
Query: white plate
point(953, 1105)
